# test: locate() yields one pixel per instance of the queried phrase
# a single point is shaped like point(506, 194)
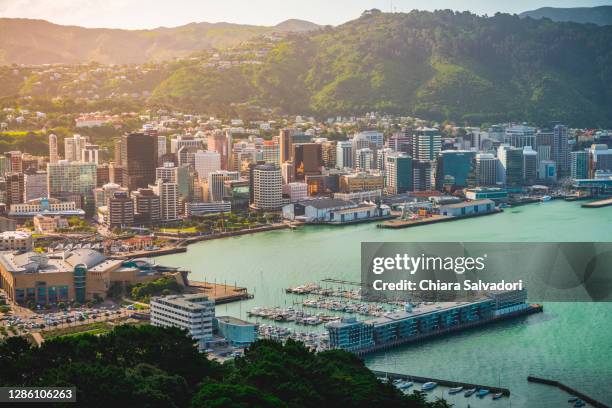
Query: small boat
point(483, 393)
point(572, 399)
point(546, 198)
point(468, 393)
point(429, 386)
point(455, 390)
point(497, 396)
point(579, 403)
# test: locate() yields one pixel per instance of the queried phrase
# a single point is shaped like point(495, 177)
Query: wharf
point(535, 308)
point(569, 390)
point(220, 293)
point(445, 383)
point(396, 224)
point(598, 204)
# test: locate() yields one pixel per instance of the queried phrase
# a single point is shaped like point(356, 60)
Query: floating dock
point(569, 390)
point(598, 204)
point(445, 383)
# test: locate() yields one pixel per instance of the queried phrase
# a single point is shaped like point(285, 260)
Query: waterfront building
point(426, 144)
point(200, 208)
point(520, 136)
point(206, 162)
point(485, 167)
point(307, 160)
point(147, 207)
point(181, 175)
point(468, 208)
point(344, 155)
point(422, 175)
point(120, 210)
point(296, 191)
point(360, 196)
point(486, 193)
point(35, 185)
point(73, 181)
point(45, 206)
point(238, 333)
point(73, 147)
point(138, 160)
point(398, 171)
point(560, 150)
point(579, 165)
point(329, 154)
point(78, 275)
point(600, 158)
point(15, 241)
point(285, 145)
point(349, 334)
point(453, 169)
point(216, 183)
point(334, 211)
point(548, 171)
point(193, 313)
point(53, 153)
point(510, 165)
point(530, 166)
point(350, 183)
point(266, 187)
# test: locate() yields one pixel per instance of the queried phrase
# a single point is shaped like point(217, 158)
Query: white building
point(486, 167)
point(296, 191)
point(194, 313)
point(53, 157)
point(161, 146)
point(216, 183)
point(207, 162)
point(197, 208)
point(15, 241)
point(334, 211)
point(169, 199)
point(90, 153)
point(468, 208)
point(344, 155)
point(267, 188)
point(35, 186)
point(73, 146)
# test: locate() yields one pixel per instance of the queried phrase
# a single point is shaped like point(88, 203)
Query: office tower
point(520, 136)
point(120, 210)
point(206, 162)
point(162, 147)
point(185, 141)
point(307, 160)
point(287, 172)
point(103, 174)
point(453, 169)
point(181, 176)
point(547, 172)
point(364, 159)
point(15, 187)
point(328, 152)
point(579, 165)
point(115, 174)
point(53, 157)
point(243, 154)
point(15, 163)
point(426, 144)
point(118, 152)
point(485, 167)
point(147, 206)
point(139, 160)
point(600, 159)
point(221, 143)
point(286, 143)
point(168, 198)
point(296, 191)
point(398, 173)
point(90, 153)
point(73, 181)
point(358, 142)
point(103, 194)
point(375, 139)
point(381, 158)
point(73, 146)
point(267, 187)
point(186, 156)
point(5, 165)
point(560, 150)
point(511, 165)
point(300, 137)
point(401, 142)
point(271, 152)
point(422, 175)
point(356, 182)
point(35, 185)
point(344, 155)
point(216, 186)
point(530, 165)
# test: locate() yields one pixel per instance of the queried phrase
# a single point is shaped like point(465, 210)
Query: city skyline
point(119, 13)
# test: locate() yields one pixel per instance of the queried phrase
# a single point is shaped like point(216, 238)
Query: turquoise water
point(569, 342)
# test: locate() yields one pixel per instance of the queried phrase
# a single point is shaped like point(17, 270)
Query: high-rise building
point(398, 170)
point(271, 152)
point(296, 191)
point(580, 165)
point(181, 176)
point(358, 142)
point(547, 172)
point(103, 174)
point(401, 142)
point(344, 155)
point(530, 165)
point(355, 182)
point(520, 136)
point(120, 210)
point(511, 165)
point(35, 185)
point(221, 143)
point(15, 163)
point(600, 159)
point(453, 169)
point(374, 138)
point(328, 151)
point(162, 146)
point(15, 187)
point(185, 140)
point(206, 162)
point(73, 147)
point(53, 155)
point(168, 198)
point(560, 150)
point(139, 160)
point(287, 172)
point(422, 175)
point(73, 181)
point(307, 160)
point(426, 144)
point(364, 159)
point(90, 153)
point(485, 167)
point(147, 206)
point(267, 187)
point(286, 143)
point(186, 156)
point(381, 158)
point(216, 183)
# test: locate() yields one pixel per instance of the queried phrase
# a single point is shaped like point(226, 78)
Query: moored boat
point(455, 390)
point(429, 386)
point(483, 392)
point(497, 396)
point(470, 392)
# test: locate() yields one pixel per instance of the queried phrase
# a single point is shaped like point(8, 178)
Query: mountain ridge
point(600, 15)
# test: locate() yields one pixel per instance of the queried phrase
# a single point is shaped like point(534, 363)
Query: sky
point(135, 14)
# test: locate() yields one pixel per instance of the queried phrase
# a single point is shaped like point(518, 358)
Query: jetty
point(445, 383)
point(432, 219)
point(570, 390)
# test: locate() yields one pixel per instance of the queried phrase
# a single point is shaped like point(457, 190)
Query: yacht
point(470, 392)
point(429, 386)
point(455, 390)
point(546, 198)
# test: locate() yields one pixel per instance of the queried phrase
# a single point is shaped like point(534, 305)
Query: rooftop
point(469, 204)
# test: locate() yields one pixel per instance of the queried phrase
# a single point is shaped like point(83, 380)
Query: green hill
point(441, 65)
point(601, 15)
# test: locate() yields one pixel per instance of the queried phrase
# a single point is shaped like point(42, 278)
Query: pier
point(598, 204)
point(434, 219)
point(220, 293)
point(445, 383)
point(567, 389)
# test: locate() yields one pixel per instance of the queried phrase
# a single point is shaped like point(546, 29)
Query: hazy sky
point(154, 13)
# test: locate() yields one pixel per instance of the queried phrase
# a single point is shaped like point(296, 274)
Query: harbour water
point(569, 342)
